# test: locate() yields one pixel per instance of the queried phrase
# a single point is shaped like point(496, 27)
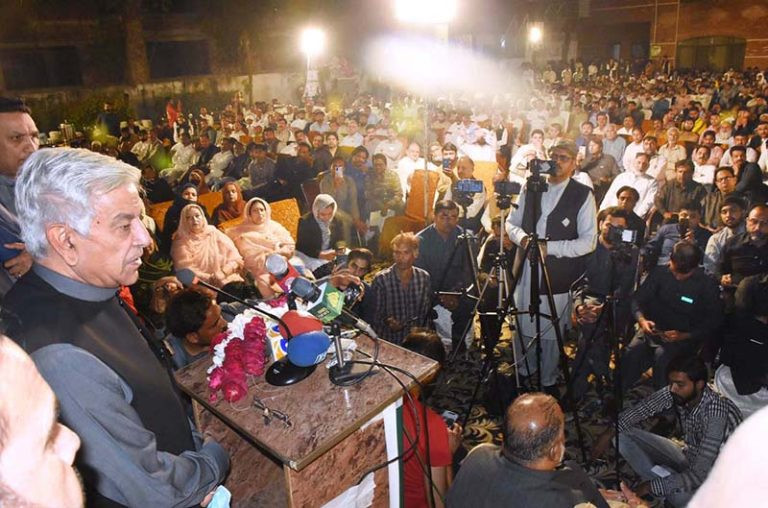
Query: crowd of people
point(652, 224)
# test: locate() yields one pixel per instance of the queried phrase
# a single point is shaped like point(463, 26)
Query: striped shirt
point(705, 427)
point(409, 305)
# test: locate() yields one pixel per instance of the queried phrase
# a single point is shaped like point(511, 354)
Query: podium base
point(349, 373)
point(284, 373)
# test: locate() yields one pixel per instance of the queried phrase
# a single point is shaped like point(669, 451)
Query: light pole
point(312, 44)
point(438, 15)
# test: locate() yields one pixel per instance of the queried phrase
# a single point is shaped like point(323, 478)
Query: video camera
point(504, 191)
point(618, 236)
point(542, 167)
point(465, 189)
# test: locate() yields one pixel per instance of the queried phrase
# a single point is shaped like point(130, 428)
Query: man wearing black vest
point(80, 215)
point(568, 220)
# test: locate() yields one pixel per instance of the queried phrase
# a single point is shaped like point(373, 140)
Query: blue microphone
point(307, 349)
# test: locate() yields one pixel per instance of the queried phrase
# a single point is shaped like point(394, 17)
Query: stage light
point(425, 12)
point(312, 41)
point(535, 35)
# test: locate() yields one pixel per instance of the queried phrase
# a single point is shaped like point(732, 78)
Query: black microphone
point(310, 292)
point(188, 278)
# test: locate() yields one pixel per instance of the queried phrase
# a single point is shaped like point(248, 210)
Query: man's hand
point(643, 489)
point(327, 255)
point(450, 302)
point(393, 324)
point(362, 227)
point(21, 264)
point(587, 314)
point(726, 280)
point(675, 335)
point(454, 437)
point(647, 326)
point(689, 236)
point(602, 443)
point(625, 496)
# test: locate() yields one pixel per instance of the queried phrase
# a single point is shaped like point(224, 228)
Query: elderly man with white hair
point(81, 221)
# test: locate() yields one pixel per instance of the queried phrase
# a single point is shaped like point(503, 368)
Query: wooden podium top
point(322, 414)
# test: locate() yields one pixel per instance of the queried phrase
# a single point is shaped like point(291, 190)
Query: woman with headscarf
point(258, 237)
point(319, 231)
point(205, 250)
point(187, 195)
point(232, 204)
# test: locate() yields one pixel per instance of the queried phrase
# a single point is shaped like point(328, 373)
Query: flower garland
point(237, 353)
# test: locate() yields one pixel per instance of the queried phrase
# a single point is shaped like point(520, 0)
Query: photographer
point(610, 272)
point(569, 221)
point(688, 228)
point(472, 203)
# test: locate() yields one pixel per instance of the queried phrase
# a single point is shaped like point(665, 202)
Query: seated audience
point(319, 232)
point(677, 309)
point(725, 185)
point(205, 250)
point(526, 469)
point(669, 470)
point(257, 237)
point(732, 215)
point(637, 178)
point(187, 194)
point(232, 204)
point(675, 193)
point(746, 253)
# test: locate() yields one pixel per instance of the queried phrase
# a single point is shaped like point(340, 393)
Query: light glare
point(425, 12)
point(535, 35)
point(312, 41)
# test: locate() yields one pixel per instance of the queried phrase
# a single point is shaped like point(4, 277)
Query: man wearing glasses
point(569, 222)
point(746, 254)
point(725, 183)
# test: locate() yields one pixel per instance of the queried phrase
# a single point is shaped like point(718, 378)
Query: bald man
point(526, 470)
point(36, 452)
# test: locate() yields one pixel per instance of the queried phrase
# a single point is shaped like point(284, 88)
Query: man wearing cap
point(569, 222)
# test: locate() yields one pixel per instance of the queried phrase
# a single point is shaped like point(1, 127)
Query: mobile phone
point(340, 171)
point(450, 417)
point(583, 151)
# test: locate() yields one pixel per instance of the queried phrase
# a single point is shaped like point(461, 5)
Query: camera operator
point(688, 228)
point(472, 203)
point(610, 273)
point(568, 219)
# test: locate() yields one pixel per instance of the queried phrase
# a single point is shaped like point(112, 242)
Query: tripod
point(538, 272)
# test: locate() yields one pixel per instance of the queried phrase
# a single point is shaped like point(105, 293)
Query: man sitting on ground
point(707, 420)
point(525, 470)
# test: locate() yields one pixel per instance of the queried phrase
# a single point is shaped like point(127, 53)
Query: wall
point(673, 21)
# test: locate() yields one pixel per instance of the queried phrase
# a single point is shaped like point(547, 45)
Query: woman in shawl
point(205, 250)
point(232, 204)
point(319, 232)
point(187, 195)
point(258, 237)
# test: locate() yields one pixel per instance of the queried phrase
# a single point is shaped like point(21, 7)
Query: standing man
point(569, 222)
point(81, 221)
point(18, 139)
point(403, 292)
point(443, 255)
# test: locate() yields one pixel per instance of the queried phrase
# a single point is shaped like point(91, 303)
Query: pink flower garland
point(236, 358)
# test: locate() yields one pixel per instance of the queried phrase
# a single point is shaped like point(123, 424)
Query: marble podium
point(337, 433)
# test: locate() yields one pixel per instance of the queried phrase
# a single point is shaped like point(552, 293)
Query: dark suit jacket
point(309, 238)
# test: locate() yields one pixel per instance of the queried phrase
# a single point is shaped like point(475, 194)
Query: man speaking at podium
point(80, 216)
point(568, 221)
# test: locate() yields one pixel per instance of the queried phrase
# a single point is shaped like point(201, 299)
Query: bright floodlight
point(535, 35)
point(312, 41)
point(425, 12)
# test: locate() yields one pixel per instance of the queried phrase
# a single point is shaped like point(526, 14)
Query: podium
point(337, 433)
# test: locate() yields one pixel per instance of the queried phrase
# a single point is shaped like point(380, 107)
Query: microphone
point(307, 349)
point(283, 272)
point(327, 304)
point(188, 278)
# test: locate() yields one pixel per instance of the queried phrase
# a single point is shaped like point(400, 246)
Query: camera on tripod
point(504, 191)
point(465, 189)
point(542, 167)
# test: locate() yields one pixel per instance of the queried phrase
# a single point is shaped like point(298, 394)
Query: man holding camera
point(688, 228)
point(569, 223)
point(610, 274)
point(471, 201)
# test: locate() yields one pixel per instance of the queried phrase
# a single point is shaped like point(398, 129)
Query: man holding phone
point(677, 308)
